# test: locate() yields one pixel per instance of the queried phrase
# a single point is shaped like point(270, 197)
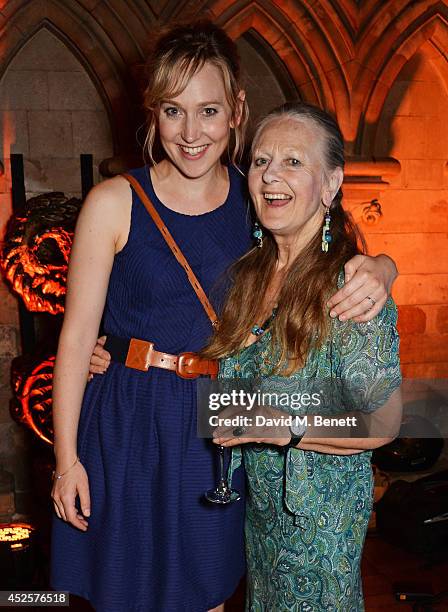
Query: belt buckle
point(181, 365)
point(213, 368)
point(138, 356)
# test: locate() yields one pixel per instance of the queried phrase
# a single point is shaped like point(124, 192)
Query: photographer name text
point(283, 421)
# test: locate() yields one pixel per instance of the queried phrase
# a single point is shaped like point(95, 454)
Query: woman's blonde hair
point(178, 54)
point(302, 321)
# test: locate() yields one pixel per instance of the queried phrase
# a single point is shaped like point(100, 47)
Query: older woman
point(309, 497)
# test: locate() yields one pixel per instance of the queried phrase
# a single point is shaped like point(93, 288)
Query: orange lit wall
point(380, 66)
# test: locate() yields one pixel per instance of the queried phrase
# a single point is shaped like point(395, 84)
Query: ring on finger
point(238, 431)
point(372, 301)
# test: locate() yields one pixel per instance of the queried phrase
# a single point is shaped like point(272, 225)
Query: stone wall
point(51, 112)
point(413, 129)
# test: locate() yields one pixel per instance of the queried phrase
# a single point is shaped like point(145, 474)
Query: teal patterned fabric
point(307, 512)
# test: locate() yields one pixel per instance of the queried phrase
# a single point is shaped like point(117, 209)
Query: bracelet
point(297, 434)
point(58, 476)
point(293, 442)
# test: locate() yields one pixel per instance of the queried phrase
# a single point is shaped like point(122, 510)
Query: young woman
point(132, 530)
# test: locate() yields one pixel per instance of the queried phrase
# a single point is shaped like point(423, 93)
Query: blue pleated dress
point(153, 544)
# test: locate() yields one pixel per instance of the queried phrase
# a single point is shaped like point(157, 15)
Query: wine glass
point(222, 493)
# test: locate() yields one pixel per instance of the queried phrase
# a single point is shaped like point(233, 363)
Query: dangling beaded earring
point(326, 234)
point(257, 233)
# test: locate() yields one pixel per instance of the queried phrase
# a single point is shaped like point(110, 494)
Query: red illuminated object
point(37, 247)
point(32, 390)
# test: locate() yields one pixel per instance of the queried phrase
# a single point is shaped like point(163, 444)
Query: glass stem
point(221, 462)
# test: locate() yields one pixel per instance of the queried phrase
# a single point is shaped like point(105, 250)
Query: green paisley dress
point(307, 512)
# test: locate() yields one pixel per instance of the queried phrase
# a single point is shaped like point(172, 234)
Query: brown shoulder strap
point(174, 248)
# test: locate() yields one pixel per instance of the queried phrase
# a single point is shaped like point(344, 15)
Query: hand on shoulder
point(365, 289)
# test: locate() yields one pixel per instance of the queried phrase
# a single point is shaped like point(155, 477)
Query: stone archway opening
point(52, 112)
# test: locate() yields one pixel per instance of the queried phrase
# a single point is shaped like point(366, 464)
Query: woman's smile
point(277, 199)
point(193, 153)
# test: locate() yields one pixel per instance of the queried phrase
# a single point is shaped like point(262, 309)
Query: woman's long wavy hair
point(178, 54)
point(302, 320)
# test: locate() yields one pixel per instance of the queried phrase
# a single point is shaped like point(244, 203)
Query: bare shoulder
point(113, 192)
point(109, 203)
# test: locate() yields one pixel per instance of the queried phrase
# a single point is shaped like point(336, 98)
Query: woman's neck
point(290, 246)
point(288, 249)
point(190, 195)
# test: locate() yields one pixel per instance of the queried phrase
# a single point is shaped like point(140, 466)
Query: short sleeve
point(366, 360)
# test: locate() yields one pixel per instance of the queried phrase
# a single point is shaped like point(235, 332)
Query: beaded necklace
point(258, 330)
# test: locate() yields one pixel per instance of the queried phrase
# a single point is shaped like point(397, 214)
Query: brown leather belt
point(141, 355)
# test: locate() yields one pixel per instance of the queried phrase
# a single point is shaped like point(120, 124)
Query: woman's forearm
point(390, 269)
point(363, 431)
point(342, 446)
point(70, 377)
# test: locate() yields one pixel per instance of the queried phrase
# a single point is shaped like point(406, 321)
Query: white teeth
point(276, 196)
point(193, 150)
